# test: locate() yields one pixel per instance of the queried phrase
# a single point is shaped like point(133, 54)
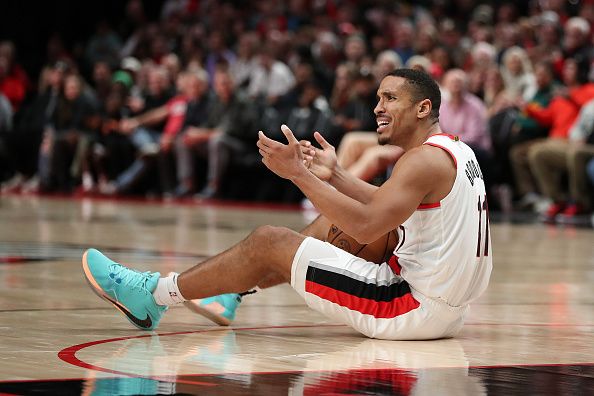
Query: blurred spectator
point(569, 157)
point(14, 82)
point(357, 115)
point(60, 146)
point(510, 128)
point(517, 74)
point(465, 115)
point(404, 36)
point(232, 119)
point(560, 115)
point(217, 53)
point(172, 64)
point(102, 80)
point(23, 144)
point(386, 61)
point(419, 62)
point(144, 139)
point(245, 63)
point(271, 78)
point(355, 50)
point(341, 91)
point(483, 59)
point(104, 46)
point(10, 86)
point(311, 53)
point(194, 133)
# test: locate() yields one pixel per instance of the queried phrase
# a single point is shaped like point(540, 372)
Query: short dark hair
point(423, 86)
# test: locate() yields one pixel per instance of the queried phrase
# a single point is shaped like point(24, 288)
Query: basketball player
point(435, 197)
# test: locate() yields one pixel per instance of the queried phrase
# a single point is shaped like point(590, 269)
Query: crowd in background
point(172, 107)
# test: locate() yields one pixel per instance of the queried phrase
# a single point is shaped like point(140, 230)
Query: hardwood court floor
point(532, 332)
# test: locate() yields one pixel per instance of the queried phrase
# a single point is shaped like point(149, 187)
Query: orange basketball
point(376, 252)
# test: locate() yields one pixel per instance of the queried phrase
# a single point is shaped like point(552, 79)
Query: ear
point(424, 108)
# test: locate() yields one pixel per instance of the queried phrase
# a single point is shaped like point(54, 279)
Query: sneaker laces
point(129, 277)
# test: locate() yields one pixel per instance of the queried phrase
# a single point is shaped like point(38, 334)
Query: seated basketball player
point(435, 197)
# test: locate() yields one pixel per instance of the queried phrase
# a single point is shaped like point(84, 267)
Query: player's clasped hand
point(286, 160)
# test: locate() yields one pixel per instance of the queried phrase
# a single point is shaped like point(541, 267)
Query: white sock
point(167, 292)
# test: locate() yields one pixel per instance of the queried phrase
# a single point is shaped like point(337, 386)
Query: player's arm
point(322, 162)
point(414, 178)
point(418, 175)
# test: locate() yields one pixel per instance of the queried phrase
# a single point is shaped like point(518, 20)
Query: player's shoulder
point(427, 155)
point(425, 162)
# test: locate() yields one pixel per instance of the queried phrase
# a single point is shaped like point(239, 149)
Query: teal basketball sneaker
point(220, 309)
point(131, 292)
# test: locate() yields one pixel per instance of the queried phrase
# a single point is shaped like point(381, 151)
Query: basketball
point(376, 252)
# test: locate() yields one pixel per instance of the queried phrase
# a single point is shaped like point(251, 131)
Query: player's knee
point(268, 235)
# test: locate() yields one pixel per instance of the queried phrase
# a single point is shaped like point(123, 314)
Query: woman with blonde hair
point(518, 74)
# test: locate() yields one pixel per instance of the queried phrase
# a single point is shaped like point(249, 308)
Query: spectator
point(245, 63)
point(217, 53)
point(517, 73)
point(14, 83)
point(570, 156)
point(560, 115)
point(404, 36)
point(356, 115)
point(271, 79)
point(232, 117)
point(465, 115)
point(483, 59)
point(104, 46)
point(512, 131)
point(194, 133)
point(144, 139)
point(386, 61)
point(70, 123)
point(10, 86)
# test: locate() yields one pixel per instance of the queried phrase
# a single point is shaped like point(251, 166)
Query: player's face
point(395, 111)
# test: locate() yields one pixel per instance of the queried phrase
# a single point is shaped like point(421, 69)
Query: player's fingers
point(323, 142)
point(305, 143)
point(288, 134)
point(263, 147)
point(266, 141)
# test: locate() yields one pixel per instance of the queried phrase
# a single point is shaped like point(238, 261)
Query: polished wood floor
point(532, 331)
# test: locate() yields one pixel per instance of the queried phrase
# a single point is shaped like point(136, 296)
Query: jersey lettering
point(473, 171)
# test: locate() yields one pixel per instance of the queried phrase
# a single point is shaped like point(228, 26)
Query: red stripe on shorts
point(394, 264)
point(379, 309)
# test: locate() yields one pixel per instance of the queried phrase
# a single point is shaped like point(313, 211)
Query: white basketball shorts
point(369, 297)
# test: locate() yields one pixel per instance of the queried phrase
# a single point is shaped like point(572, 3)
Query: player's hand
point(320, 161)
point(286, 160)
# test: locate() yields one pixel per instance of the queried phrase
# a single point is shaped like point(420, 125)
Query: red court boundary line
point(68, 355)
point(174, 202)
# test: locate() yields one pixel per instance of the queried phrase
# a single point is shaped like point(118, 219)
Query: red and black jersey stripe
point(380, 301)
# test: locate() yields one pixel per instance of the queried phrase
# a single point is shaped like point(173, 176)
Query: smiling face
point(395, 112)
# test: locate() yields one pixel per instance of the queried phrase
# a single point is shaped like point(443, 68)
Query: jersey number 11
point(483, 207)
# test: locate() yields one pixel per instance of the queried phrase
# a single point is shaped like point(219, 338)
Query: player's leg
point(353, 146)
point(222, 308)
point(267, 250)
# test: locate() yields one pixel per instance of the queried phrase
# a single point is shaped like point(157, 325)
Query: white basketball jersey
point(444, 249)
